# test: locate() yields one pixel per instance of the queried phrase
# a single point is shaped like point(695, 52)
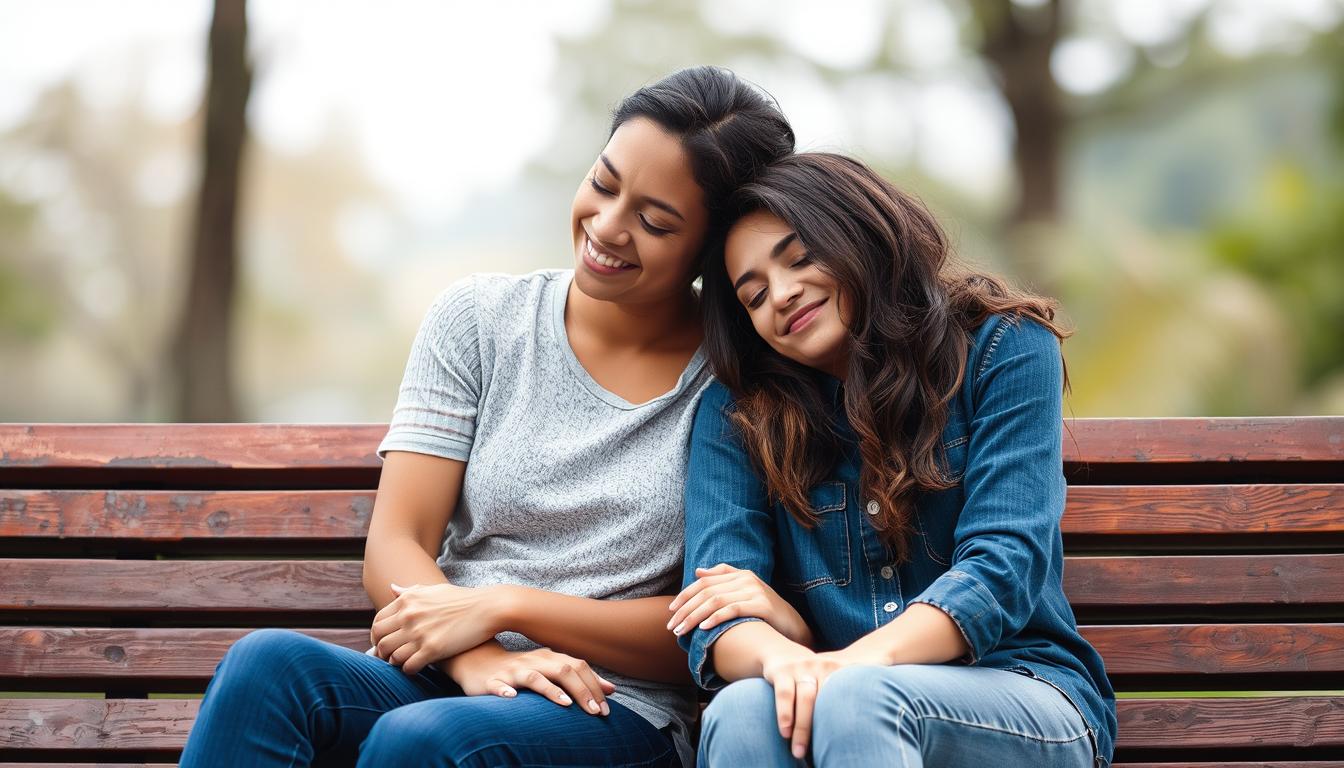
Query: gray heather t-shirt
point(568, 488)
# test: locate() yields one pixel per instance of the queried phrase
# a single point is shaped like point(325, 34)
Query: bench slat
point(1205, 580)
point(168, 585)
point(157, 653)
point(189, 446)
point(161, 653)
point(302, 446)
point(335, 585)
point(1214, 649)
point(327, 515)
point(1168, 510)
point(178, 515)
point(163, 724)
point(1306, 721)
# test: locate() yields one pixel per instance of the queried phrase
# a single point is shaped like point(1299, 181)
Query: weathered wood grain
point(1205, 580)
point(1218, 649)
point(1167, 510)
point(1307, 721)
point(101, 724)
point(163, 724)
point(186, 515)
point(169, 585)
point(154, 653)
point(278, 446)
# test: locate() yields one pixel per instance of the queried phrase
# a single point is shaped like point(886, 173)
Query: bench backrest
point(1204, 555)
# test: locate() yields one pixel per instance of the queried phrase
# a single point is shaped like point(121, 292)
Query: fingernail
point(704, 624)
point(799, 750)
point(669, 623)
point(679, 628)
point(508, 692)
point(592, 706)
point(672, 606)
point(565, 700)
point(605, 709)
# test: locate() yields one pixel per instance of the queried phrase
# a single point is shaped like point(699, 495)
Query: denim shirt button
point(890, 607)
point(886, 572)
point(874, 507)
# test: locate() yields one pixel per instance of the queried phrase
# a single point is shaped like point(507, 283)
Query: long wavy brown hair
point(913, 308)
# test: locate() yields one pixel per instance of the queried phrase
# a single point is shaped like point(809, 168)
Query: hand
point(724, 592)
point(797, 679)
point(563, 679)
point(425, 624)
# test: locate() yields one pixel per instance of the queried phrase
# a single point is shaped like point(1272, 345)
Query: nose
point(606, 227)
point(784, 291)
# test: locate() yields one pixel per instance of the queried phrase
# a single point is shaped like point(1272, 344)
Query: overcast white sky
point(489, 66)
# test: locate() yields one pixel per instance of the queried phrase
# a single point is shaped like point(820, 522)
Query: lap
point(526, 730)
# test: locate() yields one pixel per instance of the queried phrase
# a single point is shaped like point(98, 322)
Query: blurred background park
point(1170, 169)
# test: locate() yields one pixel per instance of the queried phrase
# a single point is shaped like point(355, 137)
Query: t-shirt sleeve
point(441, 389)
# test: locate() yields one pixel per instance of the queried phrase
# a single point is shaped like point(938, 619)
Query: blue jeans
point(280, 698)
point(905, 716)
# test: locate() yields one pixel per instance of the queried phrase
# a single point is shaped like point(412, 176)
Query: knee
point(855, 700)
point(402, 736)
point(265, 657)
point(743, 710)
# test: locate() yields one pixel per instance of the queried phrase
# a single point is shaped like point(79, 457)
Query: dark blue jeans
point(280, 698)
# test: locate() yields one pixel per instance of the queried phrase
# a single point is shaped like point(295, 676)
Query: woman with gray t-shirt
point(527, 532)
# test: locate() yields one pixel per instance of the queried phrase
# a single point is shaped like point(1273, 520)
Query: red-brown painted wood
point(279, 446)
point(185, 654)
point(190, 446)
point(1307, 721)
point(1165, 510)
point(1218, 649)
point(1205, 580)
point(168, 585)
point(163, 724)
point(186, 515)
point(61, 653)
point(1167, 440)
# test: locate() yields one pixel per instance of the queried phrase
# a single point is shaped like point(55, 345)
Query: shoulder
point(712, 416)
point(1004, 336)
point(488, 299)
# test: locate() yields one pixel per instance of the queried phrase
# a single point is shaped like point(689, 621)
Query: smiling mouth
point(803, 316)
point(602, 258)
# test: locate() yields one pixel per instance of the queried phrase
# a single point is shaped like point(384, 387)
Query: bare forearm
point(625, 636)
point(741, 651)
point(395, 559)
point(922, 635)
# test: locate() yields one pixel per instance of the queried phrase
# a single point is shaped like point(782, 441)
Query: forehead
point(649, 157)
point(750, 241)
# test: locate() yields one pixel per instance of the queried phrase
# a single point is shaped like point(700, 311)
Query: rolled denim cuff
point(702, 671)
point(971, 607)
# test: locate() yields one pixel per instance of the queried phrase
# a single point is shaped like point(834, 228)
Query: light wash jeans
point(905, 716)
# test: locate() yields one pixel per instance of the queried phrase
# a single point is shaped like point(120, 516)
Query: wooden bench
point(1203, 555)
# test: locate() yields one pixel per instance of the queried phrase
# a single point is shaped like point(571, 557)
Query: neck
point(639, 326)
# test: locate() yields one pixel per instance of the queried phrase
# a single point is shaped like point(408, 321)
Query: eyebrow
point(655, 202)
point(784, 243)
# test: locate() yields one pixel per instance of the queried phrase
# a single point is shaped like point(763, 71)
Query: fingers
point(533, 680)
point(500, 687)
point(390, 643)
point(713, 597)
point(577, 685)
point(784, 695)
point(700, 583)
point(804, 701)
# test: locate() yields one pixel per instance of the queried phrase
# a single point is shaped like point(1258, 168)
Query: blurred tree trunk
point(1018, 41)
point(202, 345)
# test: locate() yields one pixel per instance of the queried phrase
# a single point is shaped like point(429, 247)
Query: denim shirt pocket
point(936, 518)
point(811, 557)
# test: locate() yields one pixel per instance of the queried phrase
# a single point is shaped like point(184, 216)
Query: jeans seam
point(1009, 731)
point(900, 716)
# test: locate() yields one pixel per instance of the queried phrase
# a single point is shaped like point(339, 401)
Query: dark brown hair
point(913, 310)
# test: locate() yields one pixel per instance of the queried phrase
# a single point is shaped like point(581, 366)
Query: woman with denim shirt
point(873, 554)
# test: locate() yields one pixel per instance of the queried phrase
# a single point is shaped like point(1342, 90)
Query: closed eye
point(601, 190)
point(755, 301)
point(802, 261)
point(655, 231)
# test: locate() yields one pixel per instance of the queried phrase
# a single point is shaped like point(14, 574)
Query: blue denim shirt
point(988, 552)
